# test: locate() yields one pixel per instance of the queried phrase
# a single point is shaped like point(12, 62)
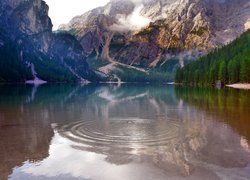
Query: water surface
point(128, 132)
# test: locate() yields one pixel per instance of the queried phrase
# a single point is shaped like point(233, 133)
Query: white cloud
point(135, 21)
point(62, 11)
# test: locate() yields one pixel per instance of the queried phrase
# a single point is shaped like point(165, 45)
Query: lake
point(128, 132)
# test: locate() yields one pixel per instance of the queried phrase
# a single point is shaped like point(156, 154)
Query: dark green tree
point(230, 64)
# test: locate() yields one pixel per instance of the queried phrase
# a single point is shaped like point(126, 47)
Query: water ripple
point(121, 132)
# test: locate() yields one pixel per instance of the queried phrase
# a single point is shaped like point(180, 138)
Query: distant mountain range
point(126, 40)
point(157, 35)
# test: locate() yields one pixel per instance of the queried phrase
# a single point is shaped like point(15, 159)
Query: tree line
point(228, 64)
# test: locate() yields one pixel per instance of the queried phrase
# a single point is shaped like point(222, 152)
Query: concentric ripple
point(121, 132)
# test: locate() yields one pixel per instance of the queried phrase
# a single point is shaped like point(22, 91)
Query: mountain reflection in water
point(127, 132)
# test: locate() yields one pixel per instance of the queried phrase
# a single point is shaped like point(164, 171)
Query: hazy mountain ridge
point(179, 30)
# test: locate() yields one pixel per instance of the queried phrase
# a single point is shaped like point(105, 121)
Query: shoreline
point(245, 86)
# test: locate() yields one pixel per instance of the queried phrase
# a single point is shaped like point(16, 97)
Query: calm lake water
point(132, 132)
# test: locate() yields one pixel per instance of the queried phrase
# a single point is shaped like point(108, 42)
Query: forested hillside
point(229, 64)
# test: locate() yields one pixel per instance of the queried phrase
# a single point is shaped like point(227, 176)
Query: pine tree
point(223, 72)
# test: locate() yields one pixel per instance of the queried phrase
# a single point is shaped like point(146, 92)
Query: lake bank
point(239, 86)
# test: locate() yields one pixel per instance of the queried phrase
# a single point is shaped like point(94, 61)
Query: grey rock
point(27, 28)
point(179, 27)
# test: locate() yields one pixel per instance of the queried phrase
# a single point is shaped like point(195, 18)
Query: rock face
point(32, 50)
point(148, 33)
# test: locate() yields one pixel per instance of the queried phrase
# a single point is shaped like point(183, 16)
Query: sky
point(62, 11)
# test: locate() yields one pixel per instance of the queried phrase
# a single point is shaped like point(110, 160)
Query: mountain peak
point(146, 32)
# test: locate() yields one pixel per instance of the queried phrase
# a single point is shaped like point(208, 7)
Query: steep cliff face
point(29, 50)
point(149, 33)
point(25, 17)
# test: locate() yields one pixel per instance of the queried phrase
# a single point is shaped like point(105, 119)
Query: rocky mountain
point(31, 52)
point(156, 35)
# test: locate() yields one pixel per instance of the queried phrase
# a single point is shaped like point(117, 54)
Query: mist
point(134, 21)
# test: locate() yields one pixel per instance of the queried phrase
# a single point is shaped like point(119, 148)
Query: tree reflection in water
point(127, 132)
